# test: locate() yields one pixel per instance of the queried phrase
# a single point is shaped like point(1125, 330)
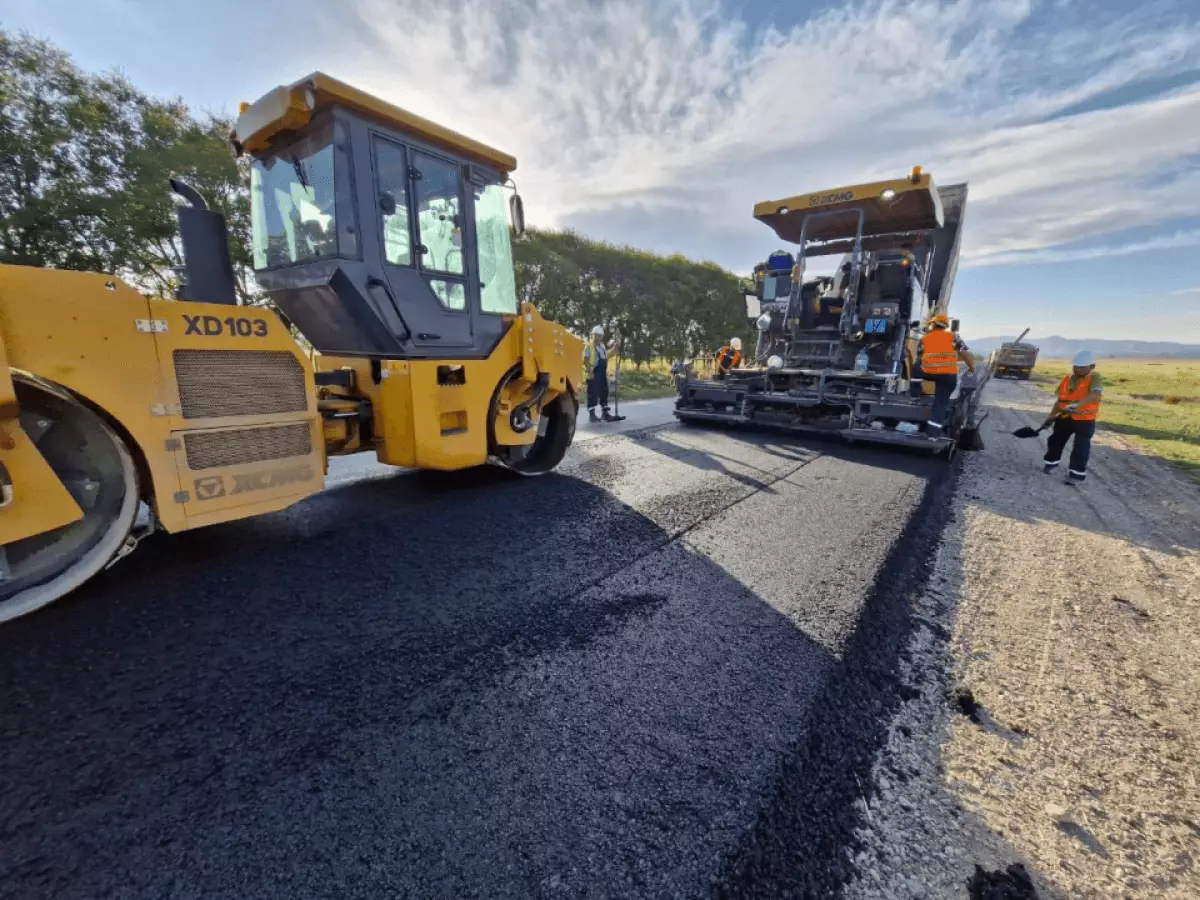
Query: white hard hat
point(736, 343)
point(1084, 358)
point(598, 331)
point(775, 362)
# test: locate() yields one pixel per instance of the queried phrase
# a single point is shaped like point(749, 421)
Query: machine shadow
point(412, 698)
point(806, 447)
point(706, 459)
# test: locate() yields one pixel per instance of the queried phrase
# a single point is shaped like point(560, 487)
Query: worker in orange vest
point(1074, 416)
point(729, 357)
point(940, 351)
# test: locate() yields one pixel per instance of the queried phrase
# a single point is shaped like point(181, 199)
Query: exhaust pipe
point(207, 267)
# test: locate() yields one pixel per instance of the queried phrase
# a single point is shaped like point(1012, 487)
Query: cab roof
point(290, 107)
point(901, 205)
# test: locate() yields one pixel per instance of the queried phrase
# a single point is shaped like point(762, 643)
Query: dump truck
point(837, 353)
point(381, 238)
point(1014, 359)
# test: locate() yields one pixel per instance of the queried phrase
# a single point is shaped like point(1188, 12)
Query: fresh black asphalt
point(658, 672)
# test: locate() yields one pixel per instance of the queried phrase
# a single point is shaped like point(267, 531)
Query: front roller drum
point(95, 466)
point(555, 431)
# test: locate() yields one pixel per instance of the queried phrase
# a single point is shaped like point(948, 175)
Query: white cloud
point(663, 121)
point(1186, 292)
point(1172, 241)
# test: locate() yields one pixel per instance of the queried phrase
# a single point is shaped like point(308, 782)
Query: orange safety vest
point(1085, 413)
point(939, 356)
point(728, 358)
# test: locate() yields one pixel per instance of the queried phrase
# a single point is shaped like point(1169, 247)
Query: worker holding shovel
point(595, 361)
point(1073, 416)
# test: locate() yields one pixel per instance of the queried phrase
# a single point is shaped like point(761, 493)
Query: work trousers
point(1064, 430)
point(943, 387)
point(597, 388)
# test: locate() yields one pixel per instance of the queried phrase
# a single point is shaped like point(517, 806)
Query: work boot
point(592, 417)
point(1048, 468)
point(1072, 478)
point(608, 416)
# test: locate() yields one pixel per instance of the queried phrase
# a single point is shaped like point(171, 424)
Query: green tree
point(662, 306)
point(84, 167)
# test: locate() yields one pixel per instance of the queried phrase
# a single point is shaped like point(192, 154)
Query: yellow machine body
point(223, 423)
point(218, 403)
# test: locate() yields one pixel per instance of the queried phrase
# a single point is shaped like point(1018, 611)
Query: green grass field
point(651, 381)
point(1154, 402)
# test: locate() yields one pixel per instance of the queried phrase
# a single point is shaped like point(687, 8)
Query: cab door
point(423, 231)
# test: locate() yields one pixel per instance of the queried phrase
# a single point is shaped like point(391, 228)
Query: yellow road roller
point(383, 243)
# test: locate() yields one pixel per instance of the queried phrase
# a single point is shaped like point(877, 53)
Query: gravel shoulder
point(1053, 714)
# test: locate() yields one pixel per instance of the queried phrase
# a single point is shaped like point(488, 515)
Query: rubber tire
point(95, 558)
point(548, 450)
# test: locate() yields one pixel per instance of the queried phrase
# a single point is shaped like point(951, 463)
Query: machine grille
point(218, 383)
point(238, 446)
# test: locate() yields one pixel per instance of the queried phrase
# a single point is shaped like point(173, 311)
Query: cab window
point(493, 246)
point(293, 202)
point(391, 184)
point(438, 191)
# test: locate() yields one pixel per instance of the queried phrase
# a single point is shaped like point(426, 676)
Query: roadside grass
point(650, 382)
point(1154, 402)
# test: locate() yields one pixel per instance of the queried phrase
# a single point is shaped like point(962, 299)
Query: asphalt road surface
point(661, 671)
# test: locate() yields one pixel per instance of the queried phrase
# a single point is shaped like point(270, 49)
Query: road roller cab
point(377, 232)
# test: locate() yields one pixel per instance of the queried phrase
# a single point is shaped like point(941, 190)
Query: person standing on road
point(595, 361)
point(940, 351)
point(729, 357)
point(1074, 416)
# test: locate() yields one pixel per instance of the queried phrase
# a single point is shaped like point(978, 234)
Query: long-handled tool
point(1025, 431)
point(616, 416)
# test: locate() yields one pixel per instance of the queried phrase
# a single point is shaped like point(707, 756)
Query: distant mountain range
point(1056, 347)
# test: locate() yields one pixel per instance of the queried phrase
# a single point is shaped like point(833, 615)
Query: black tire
point(97, 468)
point(556, 430)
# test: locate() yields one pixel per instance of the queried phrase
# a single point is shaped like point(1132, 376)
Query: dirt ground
point(1055, 713)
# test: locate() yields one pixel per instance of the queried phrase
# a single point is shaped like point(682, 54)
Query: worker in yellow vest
point(595, 367)
point(1074, 416)
point(940, 351)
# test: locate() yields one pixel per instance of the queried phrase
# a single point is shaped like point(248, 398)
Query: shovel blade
point(1025, 432)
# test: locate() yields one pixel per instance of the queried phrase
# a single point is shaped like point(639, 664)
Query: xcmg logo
point(823, 199)
point(212, 486)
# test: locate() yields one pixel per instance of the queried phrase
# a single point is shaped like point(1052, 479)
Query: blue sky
point(660, 123)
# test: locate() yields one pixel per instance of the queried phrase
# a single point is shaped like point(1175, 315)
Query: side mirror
point(516, 211)
point(387, 204)
point(954, 325)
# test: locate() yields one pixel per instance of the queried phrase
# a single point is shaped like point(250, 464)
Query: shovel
point(616, 416)
point(1027, 432)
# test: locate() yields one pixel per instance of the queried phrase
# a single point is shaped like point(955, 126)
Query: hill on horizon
point(1058, 347)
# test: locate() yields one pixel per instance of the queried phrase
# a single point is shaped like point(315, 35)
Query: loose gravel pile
point(1051, 742)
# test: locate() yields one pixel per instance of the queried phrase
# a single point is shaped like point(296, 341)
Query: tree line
point(84, 165)
point(667, 306)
